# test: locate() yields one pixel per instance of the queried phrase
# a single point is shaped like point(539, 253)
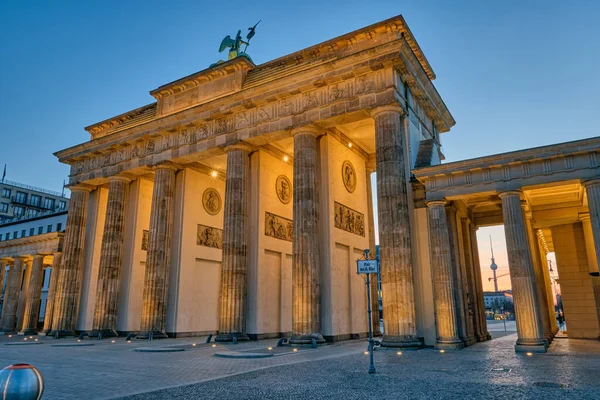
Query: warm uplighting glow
point(30, 337)
point(129, 341)
point(194, 344)
point(399, 353)
point(442, 351)
point(270, 348)
point(112, 341)
point(35, 340)
point(295, 349)
point(286, 158)
point(350, 145)
point(79, 340)
point(214, 345)
point(529, 353)
point(24, 338)
point(366, 352)
point(9, 336)
point(214, 174)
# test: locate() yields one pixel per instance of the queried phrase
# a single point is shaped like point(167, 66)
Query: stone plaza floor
point(571, 369)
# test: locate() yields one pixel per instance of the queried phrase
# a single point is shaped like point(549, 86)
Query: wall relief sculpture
point(349, 220)
point(278, 227)
point(145, 237)
point(210, 237)
point(349, 176)
point(283, 186)
point(211, 200)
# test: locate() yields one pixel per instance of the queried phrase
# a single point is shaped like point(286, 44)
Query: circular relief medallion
point(211, 200)
point(349, 176)
point(283, 187)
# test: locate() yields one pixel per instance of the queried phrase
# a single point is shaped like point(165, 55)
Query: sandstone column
point(51, 292)
point(109, 272)
point(592, 189)
point(394, 230)
point(34, 291)
point(543, 250)
point(522, 275)
point(11, 297)
point(446, 317)
point(480, 311)
point(3, 264)
point(68, 285)
point(592, 260)
point(156, 280)
point(473, 321)
point(9, 264)
point(306, 295)
point(371, 222)
point(234, 267)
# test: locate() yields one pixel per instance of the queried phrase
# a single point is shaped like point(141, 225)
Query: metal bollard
point(150, 336)
point(21, 382)
point(234, 339)
point(313, 343)
point(209, 338)
point(99, 335)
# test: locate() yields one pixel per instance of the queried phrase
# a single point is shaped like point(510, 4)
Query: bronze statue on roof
point(235, 45)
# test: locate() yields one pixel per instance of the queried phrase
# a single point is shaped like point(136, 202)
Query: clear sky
point(514, 73)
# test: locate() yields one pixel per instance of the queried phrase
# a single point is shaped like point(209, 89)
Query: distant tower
point(494, 267)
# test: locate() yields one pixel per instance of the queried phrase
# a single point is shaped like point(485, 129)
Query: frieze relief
point(209, 236)
point(349, 220)
point(190, 134)
point(278, 227)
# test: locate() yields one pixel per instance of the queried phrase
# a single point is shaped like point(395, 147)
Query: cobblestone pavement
point(486, 370)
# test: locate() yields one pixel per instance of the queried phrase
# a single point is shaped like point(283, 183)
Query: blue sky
point(514, 74)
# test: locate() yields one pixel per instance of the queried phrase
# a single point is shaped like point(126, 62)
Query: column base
point(300, 339)
point(27, 332)
point(469, 341)
point(449, 345)
point(228, 337)
point(62, 333)
point(402, 342)
point(155, 335)
point(106, 333)
point(44, 332)
point(533, 346)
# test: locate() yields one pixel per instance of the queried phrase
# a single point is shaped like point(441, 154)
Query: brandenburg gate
point(238, 202)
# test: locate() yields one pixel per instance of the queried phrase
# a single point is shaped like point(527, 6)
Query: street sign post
point(368, 267)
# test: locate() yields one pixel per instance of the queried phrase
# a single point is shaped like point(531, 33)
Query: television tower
point(494, 267)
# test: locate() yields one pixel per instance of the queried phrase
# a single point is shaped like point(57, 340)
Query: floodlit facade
point(239, 201)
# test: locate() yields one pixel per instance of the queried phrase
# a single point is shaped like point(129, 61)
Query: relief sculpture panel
point(210, 237)
point(349, 220)
point(278, 227)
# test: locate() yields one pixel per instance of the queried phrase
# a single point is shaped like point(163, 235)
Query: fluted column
point(34, 292)
point(306, 295)
point(234, 267)
point(482, 333)
point(68, 286)
point(543, 250)
point(372, 248)
point(11, 297)
point(522, 275)
point(443, 280)
point(592, 189)
point(394, 230)
point(156, 279)
point(592, 260)
point(51, 292)
point(470, 279)
point(111, 258)
point(3, 264)
point(8, 263)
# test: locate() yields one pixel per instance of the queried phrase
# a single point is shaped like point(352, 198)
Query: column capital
point(584, 216)
point(80, 187)
point(38, 256)
point(433, 203)
point(510, 193)
point(168, 166)
point(591, 182)
point(310, 128)
point(239, 146)
point(119, 178)
point(390, 108)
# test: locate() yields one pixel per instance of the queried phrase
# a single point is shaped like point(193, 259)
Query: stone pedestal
point(51, 292)
point(394, 230)
point(68, 286)
point(11, 297)
point(306, 295)
point(443, 278)
point(522, 276)
point(156, 280)
point(234, 267)
point(111, 258)
point(32, 301)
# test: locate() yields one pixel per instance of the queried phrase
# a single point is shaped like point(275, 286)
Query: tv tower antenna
point(494, 266)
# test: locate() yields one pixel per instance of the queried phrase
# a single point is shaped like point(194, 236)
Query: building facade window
point(0, 237)
point(15, 234)
point(49, 229)
point(32, 212)
point(62, 205)
point(19, 210)
point(7, 235)
point(21, 197)
point(35, 200)
point(40, 230)
point(23, 233)
point(49, 203)
point(6, 193)
point(31, 231)
point(4, 207)
point(59, 227)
